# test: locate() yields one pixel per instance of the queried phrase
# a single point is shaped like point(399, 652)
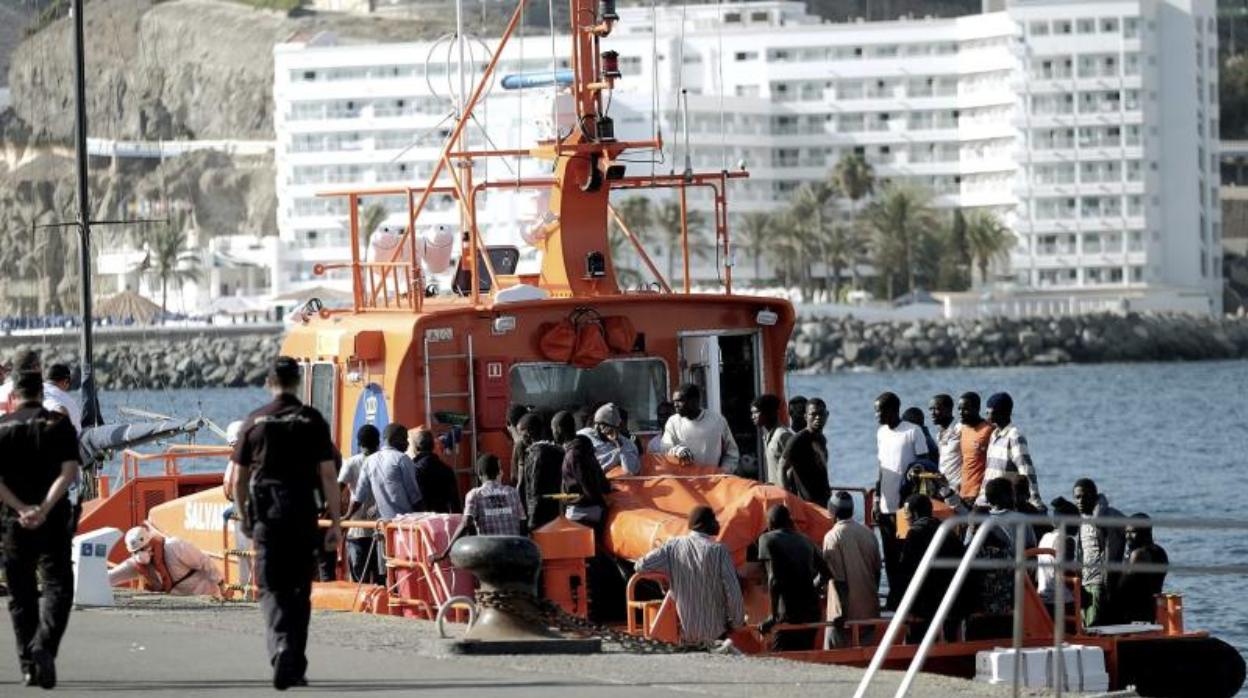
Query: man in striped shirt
point(703, 580)
point(1008, 455)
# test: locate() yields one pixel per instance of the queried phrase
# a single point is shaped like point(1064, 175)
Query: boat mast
point(90, 401)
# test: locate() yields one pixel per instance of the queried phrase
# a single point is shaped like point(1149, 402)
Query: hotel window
point(1039, 29)
point(1063, 26)
point(1109, 25)
point(1131, 27)
point(1087, 26)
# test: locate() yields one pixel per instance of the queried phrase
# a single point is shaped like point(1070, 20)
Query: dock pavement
point(153, 645)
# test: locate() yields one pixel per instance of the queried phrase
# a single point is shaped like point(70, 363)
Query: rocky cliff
point(182, 69)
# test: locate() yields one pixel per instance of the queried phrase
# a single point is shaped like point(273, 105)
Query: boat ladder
point(454, 397)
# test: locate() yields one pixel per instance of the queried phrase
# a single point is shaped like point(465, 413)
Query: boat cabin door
point(728, 370)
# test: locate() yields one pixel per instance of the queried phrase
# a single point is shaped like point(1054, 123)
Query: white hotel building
point(1090, 127)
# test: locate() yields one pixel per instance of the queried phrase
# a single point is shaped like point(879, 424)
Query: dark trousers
point(364, 558)
point(793, 640)
point(39, 620)
point(285, 566)
point(326, 560)
point(891, 545)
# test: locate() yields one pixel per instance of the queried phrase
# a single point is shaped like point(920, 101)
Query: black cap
point(285, 370)
point(59, 372)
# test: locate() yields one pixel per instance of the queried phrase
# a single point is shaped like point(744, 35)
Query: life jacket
point(158, 569)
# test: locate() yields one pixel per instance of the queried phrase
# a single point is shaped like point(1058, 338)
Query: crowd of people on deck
point(973, 463)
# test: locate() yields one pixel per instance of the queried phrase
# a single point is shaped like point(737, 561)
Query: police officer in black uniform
point(38, 461)
point(285, 462)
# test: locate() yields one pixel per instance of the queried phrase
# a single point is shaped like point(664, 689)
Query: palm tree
point(855, 179)
point(757, 233)
point(841, 245)
point(667, 220)
point(900, 220)
point(371, 219)
point(168, 259)
point(811, 216)
point(638, 215)
point(987, 239)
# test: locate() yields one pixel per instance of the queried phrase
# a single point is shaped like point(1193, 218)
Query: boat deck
point(156, 645)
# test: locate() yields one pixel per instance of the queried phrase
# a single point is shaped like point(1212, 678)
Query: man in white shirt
point(948, 439)
point(56, 395)
point(898, 444)
point(695, 435)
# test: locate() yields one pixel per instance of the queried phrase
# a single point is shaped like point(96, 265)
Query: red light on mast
point(611, 64)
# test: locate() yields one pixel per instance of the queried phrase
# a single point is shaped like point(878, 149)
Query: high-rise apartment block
point(1090, 128)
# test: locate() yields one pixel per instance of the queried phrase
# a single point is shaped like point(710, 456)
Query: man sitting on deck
point(703, 580)
point(695, 435)
point(167, 564)
point(611, 447)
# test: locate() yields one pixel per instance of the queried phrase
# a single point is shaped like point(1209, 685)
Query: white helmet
point(137, 538)
point(233, 431)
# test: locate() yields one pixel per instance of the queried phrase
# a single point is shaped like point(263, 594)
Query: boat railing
point(1020, 565)
point(132, 463)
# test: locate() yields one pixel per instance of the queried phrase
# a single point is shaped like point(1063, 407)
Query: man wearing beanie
point(611, 447)
point(1008, 455)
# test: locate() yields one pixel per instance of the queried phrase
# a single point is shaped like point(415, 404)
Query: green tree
point(758, 232)
point(667, 220)
point(901, 221)
point(855, 180)
point(1233, 81)
point(842, 246)
point(987, 240)
point(371, 219)
point(168, 259)
point(638, 215)
point(853, 177)
point(812, 216)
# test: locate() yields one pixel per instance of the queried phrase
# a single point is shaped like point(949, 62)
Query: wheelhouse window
point(322, 390)
point(637, 385)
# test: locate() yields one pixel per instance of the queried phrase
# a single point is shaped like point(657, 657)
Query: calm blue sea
point(1167, 439)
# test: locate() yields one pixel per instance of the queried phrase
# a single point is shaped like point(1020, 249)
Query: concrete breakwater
point(237, 356)
point(833, 344)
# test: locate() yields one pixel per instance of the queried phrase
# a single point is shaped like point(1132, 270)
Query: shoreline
point(233, 356)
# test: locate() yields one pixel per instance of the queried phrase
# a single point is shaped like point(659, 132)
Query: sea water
point(1167, 439)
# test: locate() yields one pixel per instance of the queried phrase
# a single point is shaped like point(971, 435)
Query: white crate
point(1084, 668)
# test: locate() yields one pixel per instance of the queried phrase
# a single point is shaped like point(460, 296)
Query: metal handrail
point(1019, 565)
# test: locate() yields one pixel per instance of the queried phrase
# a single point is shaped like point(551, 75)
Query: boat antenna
point(90, 399)
point(684, 98)
point(656, 126)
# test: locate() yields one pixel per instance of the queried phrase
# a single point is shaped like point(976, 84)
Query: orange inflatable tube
point(645, 510)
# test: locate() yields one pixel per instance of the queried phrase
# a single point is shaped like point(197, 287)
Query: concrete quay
point(154, 645)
